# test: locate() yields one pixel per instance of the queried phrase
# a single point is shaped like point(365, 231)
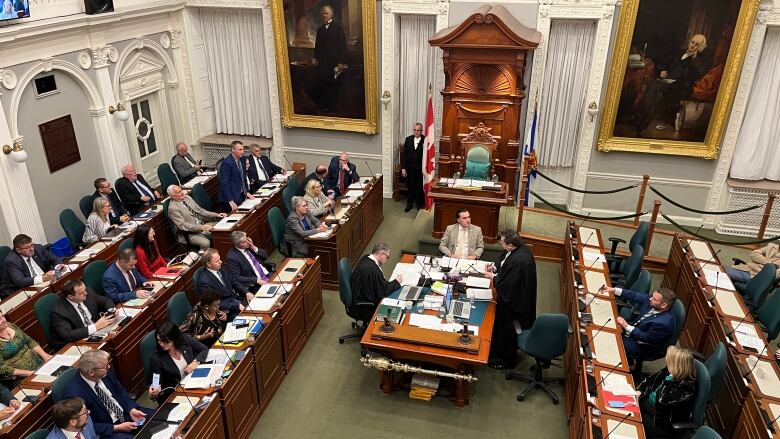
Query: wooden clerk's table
point(424, 351)
point(588, 415)
point(483, 206)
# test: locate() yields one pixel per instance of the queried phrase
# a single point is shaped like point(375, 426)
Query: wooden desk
point(33, 416)
point(483, 205)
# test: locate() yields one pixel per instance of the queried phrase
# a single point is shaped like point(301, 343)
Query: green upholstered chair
point(201, 197)
point(639, 238)
point(287, 194)
point(60, 386)
point(755, 291)
point(678, 309)
point(276, 224)
point(93, 276)
point(699, 401)
point(292, 182)
point(4, 250)
point(360, 312)
point(43, 313)
point(38, 434)
point(125, 244)
point(477, 163)
point(196, 281)
point(705, 432)
point(630, 269)
point(769, 315)
point(181, 237)
point(641, 285)
point(85, 205)
point(716, 366)
point(178, 308)
point(147, 346)
point(73, 227)
point(167, 178)
point(545, 341)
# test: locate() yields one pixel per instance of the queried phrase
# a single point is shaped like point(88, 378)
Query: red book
point(168, 272)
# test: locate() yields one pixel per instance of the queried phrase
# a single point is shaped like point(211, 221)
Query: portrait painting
point(673, 75)
point(326, 62)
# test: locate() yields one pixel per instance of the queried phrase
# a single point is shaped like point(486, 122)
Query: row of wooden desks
point(748, 402)
point(595, 361)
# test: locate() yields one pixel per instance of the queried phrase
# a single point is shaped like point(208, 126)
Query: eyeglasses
point(85, 412)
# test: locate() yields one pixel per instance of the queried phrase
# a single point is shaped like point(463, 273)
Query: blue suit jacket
point(17, 274)
point(88, 432)
point(332, 179)
point(232, 181)
point(115, 285)
point(652, 333)
point(98, 412)
point(241, 271)
point(230, 292)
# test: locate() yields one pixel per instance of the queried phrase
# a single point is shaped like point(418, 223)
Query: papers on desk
point(129, 312)
point(358, 185)
point(605, 348)
point(719, 279)
point(233, 334)
point(464, 265)
point(322, 235)
point(168, 432)
point(204, 375)
point(351, 196)
point(195, 180)
point(179, 412)
point(601, 311)
point(262, 304)
point(20, 396)
point(281, 178)
point(593, 258)
point(479, 294)
point(12, 302)
point(616, 384)
point(338, 216)
point(43, 284)
point(422, 259)
point(57, 364)
point(477, 282)
point(271, 290)
point(747, 337)
point(250, 203)
point(467, 182)
point(435, 323)
point(228, 222)
point(410, 273)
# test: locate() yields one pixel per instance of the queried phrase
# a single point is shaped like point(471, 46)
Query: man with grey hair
point(261, 168)
point(368, 283)
point(112, 410)
point(232, 299)
point(245, 263)
point(184, 165)
point(300, 224)
point(193, 223)
point(134, 191)
point(341, 174)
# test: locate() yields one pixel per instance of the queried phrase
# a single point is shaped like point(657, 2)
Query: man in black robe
point(368, 283)
point(514, 277)
point(411, 168)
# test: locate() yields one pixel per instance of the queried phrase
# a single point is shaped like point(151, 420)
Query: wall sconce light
point(385, 98)
point(119, 112)
point(17, 153)
point(593, 110)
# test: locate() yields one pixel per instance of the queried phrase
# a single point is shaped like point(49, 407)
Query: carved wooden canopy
point(495, 28)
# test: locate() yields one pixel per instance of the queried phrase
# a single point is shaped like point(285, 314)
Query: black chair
point(629, 269)
point(356, 310)
point(545, 341)
point(638, 238)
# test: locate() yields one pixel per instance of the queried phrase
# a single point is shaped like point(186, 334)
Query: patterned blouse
point(17, 353)
point(96, 228)
point(197, 323)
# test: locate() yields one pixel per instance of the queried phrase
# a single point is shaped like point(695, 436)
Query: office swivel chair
point(756, 289)
point(705, 432)
point(545, 341)
point(201, 197)
point(360, 312)
point(639, 238)
point(679, 319)
point(769, 315)
point(167, 177)
point(43, 309)
point(629, 270)
point(73, 228)
point(699, 402)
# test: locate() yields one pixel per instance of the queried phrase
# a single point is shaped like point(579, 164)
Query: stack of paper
point(250, 203)
point(424, 387)
point(322, 235)
point(357, 185)
point(262, 304)
point(480, 294)
point(57, 365)
point(433, 301)
point(477, 282)
point(718, 279)
point(351, 196)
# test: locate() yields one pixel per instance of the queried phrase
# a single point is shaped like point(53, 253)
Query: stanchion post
point(641, 200)
point(651, 229)
point(767, 211)
point(521, 199)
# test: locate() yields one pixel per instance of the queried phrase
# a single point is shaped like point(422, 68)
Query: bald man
point(184, 165)
point(341, 173)
point(134, 191)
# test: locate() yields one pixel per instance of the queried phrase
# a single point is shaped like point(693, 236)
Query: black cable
point(718, 241)
point(582, 191)
point(723, 212)
point(578, 215)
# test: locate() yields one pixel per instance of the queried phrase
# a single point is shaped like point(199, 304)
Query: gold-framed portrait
point(326, 63)
point(675, 69)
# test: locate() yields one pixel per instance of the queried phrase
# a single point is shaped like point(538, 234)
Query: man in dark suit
point(245, 263)
point(78, 314)
point(134, 191)
point(112, 410)
point(215, 277)
point(122, 281)
point(233, 182)
point(118, 213)
point(184, 165)
point(648, 332)
point(341, 173)
point(368, 283)
point(330, 60)
point(27, 265)
point(300, 224)
point(261, 169)
point(514, 277)
point(411, 168)
point(319, 174)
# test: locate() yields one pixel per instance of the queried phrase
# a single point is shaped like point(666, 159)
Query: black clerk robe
point(368, 282)
point(515, 282)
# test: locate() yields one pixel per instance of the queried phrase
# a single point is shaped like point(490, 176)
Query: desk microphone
point(28, 398)
point(628, 415)
point(742, 320)
point(588, 341)
point(715, 293)
point(701, 267)
point(770, 424)
point(612, 369)
point(578, 276)
point(758, 359)
point(288, 162)
point(687, 242)
point(369, 168)
point(589, 236)
point(187, 397)
point(427, 274)
point(222, 345)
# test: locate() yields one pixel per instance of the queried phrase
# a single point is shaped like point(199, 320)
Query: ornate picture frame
point(338, 91)
point(673, 78)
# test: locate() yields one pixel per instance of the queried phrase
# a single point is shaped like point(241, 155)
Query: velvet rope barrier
point(590, 217)
point(690, 209)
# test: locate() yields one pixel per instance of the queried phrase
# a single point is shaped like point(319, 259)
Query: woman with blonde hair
point(98, 222)
point(318, 202)
point(667, 396)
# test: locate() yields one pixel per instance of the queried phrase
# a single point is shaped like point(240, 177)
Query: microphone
point(369, 168)
point(628, 415)
point(745, 375)
point(687, 242)
point(28, 398)
point(586, 241)
point(427, 274)
point(588, 341)
point(288, 162)
point(187, 397)
point(583, 220)
point(232, 363)
point(738, 325)
point(715, 293)
point(701, 267)
point(770, 424)
point(612, 369)
point(578, 277)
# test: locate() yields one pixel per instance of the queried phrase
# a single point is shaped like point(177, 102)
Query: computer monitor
point(14, 9)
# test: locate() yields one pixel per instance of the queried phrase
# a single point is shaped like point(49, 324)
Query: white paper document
point(228, 222)
point(322, 235)
point(203, 376)
point(746, 335)
point(480, 294)
point(261, 304)
point(179, 413)
point(169, 432)
point(477, 282)
point(719, 279)
point(593, 259)
point(57, 362)
point(17, 299)
point(352, 195)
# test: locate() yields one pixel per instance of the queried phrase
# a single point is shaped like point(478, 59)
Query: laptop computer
point(458, 308)
point(410, 293)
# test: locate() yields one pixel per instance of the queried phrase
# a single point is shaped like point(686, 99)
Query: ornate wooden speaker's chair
point(477, 150)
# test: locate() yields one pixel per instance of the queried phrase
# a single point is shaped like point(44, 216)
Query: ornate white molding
point(246, 4)
point(177, 38)
point(153, 46)
point(85, 60)
point(179, 46)
point(8, 79)
point(97, 112)
point(165, 41)
point(273, 86)
point(103, 56)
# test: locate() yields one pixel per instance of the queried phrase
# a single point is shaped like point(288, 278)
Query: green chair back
point(201, 197)
point(196, 281)
point(125, 244)
point(292, 182)
point(85, 205)
point(716, 366)
point(758, 287)
point(769, 315)
point(705, 432)
point(37, 434)
point(178, 308)
point(4, 250)
point(633, 265)
point(147, 346)
point(60, 386)
point(167, 177)
point(276, 224)
point(477, 163)
point(547, 337)
point(678, 309)
point(345, 289)
point(642, 283)
point(640, 235)
point(73, 228)
point(702, 392)
point(287, 194)
point(93, 276)
point(43, 313)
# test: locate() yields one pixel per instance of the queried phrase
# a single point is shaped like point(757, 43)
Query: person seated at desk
point(206, 322)
point(112, 410)
point(175, 356)
point(261, 168)
point(98, 223)
point(147, 252)
point(319, 174)
point(341, 174)
point(318, 202)
point(135, 191)
point(216, 277)
point(245, 263)
point(667, 396)
point(462, 239)
point(78, 313)
point(647, 332)
point(71, 420)
point(233, 181)
point(184, 165)
point(744, 271)
point(9, 400)
point(118, 213)
point(122, 281)
point(300, 224)
point(191, 219)
point(368, 283)
point(29, 264)
point(20, 355)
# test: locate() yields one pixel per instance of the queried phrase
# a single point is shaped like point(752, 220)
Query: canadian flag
point(430, 152)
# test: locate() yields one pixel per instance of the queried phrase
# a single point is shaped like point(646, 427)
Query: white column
point(112, 137)
point(185, 111)
point(273, 87)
